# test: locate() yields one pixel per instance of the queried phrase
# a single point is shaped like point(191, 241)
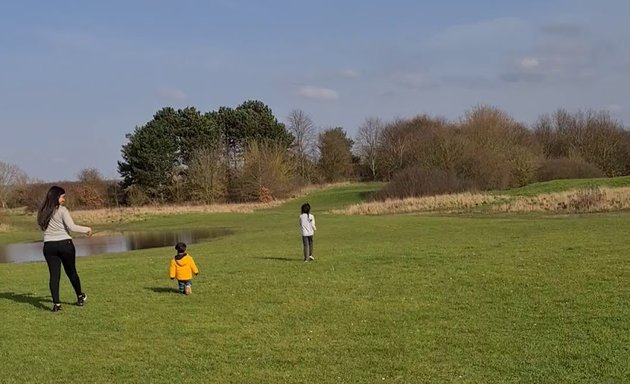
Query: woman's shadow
point(27, 298)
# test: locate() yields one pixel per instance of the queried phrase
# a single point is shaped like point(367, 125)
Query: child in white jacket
point(307, 225)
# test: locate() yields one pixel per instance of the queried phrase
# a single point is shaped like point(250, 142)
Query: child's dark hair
point(180, 247)
point(306, 208)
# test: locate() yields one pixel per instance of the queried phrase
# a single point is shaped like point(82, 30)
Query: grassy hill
point(394, 298)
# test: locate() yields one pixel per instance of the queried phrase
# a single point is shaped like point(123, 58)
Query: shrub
point(33, 195)
point(206, 176)
point(523, 165)
point(485, 170)
point(85, 196)
point(136, 197)
point(264, 195)
point(419, 181)
point(565, 168)
point(586, 200)
point(268, 173)
point(115, 194)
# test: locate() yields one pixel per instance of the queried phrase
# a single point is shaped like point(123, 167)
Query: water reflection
point(96, 245)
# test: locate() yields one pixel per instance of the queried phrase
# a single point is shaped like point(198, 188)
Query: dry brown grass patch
point(129, 214)
point(450, 203)
point(575, 201)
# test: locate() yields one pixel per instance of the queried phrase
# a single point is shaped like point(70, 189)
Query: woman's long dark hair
point(306, 208)
point(49, 206)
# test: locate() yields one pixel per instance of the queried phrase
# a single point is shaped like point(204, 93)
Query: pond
point(97, 245)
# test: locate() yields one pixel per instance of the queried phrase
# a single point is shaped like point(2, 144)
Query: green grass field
point(394, 298)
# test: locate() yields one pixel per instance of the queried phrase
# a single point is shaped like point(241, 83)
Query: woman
point(55, 220)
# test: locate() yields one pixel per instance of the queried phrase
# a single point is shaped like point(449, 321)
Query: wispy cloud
point(529, 63)
point(615, 108)
point(565, 53)
point(69, 39)
point(134, 49)
point(171, 94)
point(468, 81)
point(349, 74)
point(414, 80)
point(486, 32)
point(468, 55)
point(563, 29)
point(318, 93)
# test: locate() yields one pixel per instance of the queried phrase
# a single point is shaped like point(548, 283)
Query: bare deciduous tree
point(368, 141)
point(491, 129)
point(602, 142)
point(90, 176)
point(395, 147)
point(268, 172)
point(90, 192)
point(206, 175)
point(588, 135)
point(499, 151)
point(10, 176)
point(305, 145)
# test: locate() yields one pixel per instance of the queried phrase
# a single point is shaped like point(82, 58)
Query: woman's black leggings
point(57, 253)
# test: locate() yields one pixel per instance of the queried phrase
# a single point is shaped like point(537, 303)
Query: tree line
point(488, 150)
point(246, 154)
point(231, 154)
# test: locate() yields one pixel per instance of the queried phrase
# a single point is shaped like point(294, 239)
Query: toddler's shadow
point(163, 290)
point(27, 298)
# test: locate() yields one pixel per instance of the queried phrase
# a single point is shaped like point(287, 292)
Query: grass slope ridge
point(564, 185)
point(559, 196)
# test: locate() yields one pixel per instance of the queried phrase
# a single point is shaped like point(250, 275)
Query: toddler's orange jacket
point(182, 268)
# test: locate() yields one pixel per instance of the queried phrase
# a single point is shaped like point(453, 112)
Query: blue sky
point(77, 76)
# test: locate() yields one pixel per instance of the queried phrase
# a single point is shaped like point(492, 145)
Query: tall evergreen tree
point(195, 131)
point(151, 155)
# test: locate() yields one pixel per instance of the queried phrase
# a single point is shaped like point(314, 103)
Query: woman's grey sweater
point(61, 224)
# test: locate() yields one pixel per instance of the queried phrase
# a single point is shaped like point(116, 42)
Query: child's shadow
point(28, 298)
point(280, 258)
point(162, 289)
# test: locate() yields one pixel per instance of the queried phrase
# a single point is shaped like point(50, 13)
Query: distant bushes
point(418, 181)
point(267, 173)
point(245, 155)
point(31, 196)
point(78, 195)
point(564, 168)
point(488, 150)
